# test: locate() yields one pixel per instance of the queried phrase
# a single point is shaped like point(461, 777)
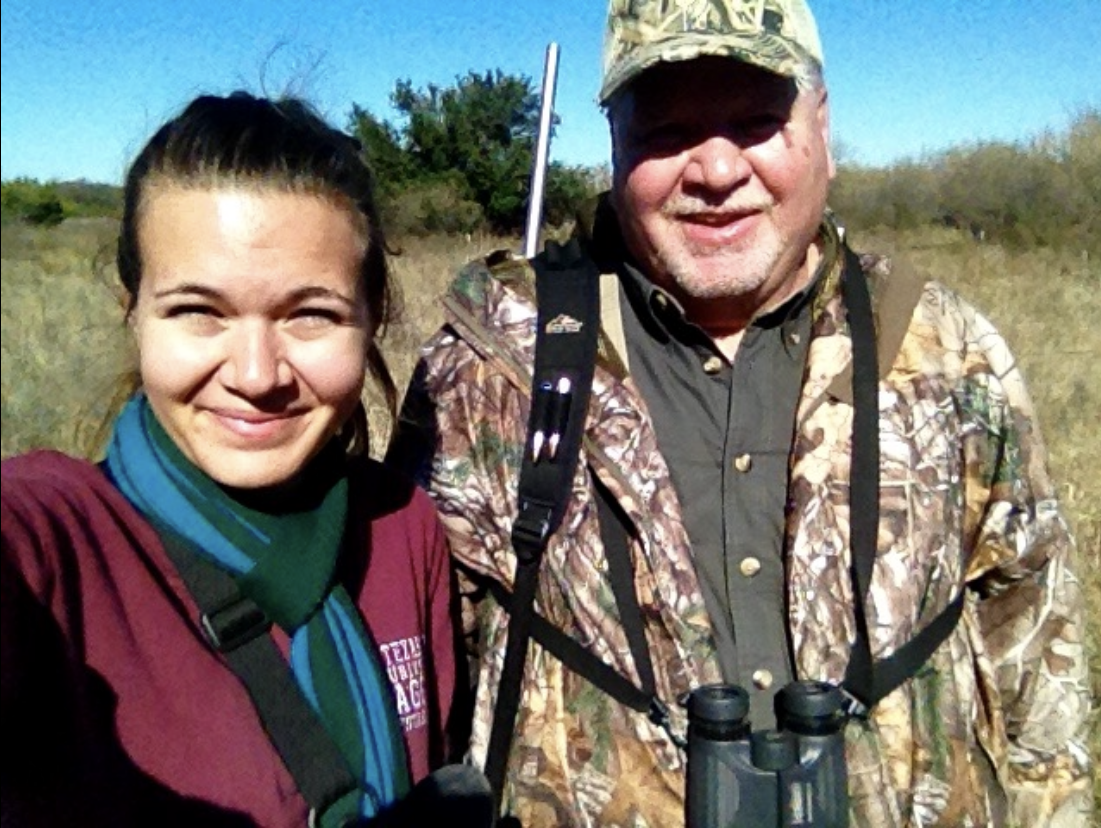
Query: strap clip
point(659, 715)
point(234, 624)
point(853, 707)
point(530, 530)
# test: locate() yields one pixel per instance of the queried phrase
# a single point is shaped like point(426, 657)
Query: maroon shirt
point(117, 712)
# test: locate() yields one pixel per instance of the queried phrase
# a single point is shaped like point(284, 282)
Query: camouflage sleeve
point(463, 426)
point(1031, 607)
point(440, 443)
point(475, 455)
point(452, 437)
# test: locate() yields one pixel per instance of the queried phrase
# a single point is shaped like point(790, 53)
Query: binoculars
point(790, 777)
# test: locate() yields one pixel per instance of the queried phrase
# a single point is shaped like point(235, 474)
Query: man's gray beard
point(751, 265)
point(747, 270)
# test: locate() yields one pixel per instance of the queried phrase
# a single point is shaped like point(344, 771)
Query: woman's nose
point(256, 362)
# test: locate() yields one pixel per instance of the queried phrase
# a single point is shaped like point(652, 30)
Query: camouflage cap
point(777, 35)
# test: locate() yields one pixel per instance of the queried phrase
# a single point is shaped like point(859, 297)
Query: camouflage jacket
point(989, 732)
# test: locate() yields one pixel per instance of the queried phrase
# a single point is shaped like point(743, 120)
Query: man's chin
point(717, 280)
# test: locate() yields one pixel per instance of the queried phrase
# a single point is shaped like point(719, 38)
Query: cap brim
point(765, 50)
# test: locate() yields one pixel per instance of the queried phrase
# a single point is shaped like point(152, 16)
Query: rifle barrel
point(542, 150)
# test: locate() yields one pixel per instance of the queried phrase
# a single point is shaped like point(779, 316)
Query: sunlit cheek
point(334, 368)
point(651, 183)
point(171, 362)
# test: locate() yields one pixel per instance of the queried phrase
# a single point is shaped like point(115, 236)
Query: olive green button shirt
point(725, 430)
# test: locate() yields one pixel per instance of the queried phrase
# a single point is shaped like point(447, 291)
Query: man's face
point(720, 182)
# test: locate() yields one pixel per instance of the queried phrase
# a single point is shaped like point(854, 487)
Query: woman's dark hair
point(267, 144)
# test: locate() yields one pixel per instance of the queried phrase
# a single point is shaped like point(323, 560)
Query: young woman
point(254, 262)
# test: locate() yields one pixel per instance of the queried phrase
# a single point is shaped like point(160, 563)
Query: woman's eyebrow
point(297, 295)
point(189, 288)
point(318, 292)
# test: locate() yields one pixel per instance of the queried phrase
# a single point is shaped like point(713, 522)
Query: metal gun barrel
point(542, 150)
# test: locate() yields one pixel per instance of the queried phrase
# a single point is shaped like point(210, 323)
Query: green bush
point(46, 212)
point(1046, 192)
point(29, 201)
point(25, 199)
point(428, 207)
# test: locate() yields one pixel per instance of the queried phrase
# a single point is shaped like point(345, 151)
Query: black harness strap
point(868, 681)
point(238, 629)
point(615, 530)
point(576, 657)
point(615, 533)
point(567, 292)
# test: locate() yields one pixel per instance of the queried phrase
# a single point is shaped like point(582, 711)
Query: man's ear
point(823, 116)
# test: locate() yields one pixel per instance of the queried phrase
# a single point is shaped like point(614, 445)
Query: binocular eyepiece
point(790, 777)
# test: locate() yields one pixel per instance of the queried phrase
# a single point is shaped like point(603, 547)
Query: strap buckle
point(659, 715)
point(852, 707)
point(234, 624)
point(530, 530)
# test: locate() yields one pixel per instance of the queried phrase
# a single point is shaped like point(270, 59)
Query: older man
point(720, 432)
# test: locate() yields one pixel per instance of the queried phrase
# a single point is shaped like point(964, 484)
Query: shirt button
point(712, 365)
point(750, 567)
point(743, 463)
point(661, 301)
point(762, 679)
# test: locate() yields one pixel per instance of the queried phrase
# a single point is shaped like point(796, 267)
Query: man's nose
point(717, 164)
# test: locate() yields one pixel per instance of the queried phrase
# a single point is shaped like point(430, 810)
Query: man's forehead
point(725, 81)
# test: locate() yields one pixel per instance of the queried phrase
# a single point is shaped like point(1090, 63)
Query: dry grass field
point(64, 349)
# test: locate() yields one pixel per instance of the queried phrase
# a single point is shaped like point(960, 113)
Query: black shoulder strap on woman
point(238, 629)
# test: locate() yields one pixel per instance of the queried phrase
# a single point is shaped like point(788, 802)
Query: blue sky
point(84, 82)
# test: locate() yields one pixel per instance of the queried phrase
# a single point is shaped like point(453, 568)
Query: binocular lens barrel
point(810, 708)
point(790, 777)
point(720, 712)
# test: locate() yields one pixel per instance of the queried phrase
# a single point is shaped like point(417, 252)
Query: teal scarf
point(284, 561)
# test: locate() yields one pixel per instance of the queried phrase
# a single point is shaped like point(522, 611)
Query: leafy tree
point(382, 147)
point(484, 128)
point(463, 147)
point(567, 187)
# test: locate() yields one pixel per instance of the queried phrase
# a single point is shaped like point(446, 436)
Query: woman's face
point(252, 326)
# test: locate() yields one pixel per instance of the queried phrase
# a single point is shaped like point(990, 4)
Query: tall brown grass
point(64, 347)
